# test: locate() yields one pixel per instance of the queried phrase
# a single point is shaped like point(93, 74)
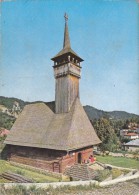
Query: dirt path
point(126, 188)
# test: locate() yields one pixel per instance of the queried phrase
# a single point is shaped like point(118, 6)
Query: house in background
point(132, 145)
point(57, 136)
point(131, 136)
point(123, 132)
point(129, 133)
point(133, 125)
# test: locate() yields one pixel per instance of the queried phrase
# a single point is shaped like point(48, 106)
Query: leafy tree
point(6, 121)
point(125, 139)
point(126, 124)
point(106, 134)
point(117, 125)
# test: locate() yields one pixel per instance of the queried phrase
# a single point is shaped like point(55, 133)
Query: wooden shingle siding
point(67, 86)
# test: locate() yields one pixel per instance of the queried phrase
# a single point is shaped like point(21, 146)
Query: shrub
point(102, 174)
point(116, 173)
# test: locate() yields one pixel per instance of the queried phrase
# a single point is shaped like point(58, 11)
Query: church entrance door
point(79, 157)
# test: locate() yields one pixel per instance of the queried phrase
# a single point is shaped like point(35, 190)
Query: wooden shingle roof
point(67, 51)
point(38, 126)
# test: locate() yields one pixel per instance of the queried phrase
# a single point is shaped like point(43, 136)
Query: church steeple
point(67, 71)
point(66, 43)
point(66, 47)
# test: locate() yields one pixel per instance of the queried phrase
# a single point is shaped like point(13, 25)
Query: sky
point(103, 32)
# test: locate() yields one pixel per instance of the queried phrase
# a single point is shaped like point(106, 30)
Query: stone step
point(81, 172)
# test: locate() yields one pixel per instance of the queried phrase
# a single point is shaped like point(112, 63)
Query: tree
point(106, 134)
point(117, 125)
point(6, 121)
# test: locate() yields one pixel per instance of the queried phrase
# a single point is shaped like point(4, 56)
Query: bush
point(102, 175)
point(116, 173)
point(6, 121)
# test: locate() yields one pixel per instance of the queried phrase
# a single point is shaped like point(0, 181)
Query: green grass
point(119, 161)
point(36, 177)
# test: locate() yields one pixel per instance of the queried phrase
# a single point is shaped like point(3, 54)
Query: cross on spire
point(66, 43)
point(66, 17)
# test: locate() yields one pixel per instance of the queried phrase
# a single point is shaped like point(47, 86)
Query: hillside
point(11, 107)
point(94, 113)
point(8, 102)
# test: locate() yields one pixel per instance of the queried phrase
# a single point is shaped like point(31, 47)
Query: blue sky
point(102, 32)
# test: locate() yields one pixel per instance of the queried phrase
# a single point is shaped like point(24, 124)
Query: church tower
point(67, 72)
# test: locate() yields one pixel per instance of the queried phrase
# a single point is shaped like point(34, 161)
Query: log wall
point(51, 160)
point(86, 153)
point(67, 161)
point(72, 158)
point(32, 162)
point(36, 157)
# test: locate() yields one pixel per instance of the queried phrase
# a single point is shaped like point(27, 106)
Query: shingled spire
point(66, 46)
point(66, 43)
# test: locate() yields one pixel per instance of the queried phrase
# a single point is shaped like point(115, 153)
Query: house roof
point(132, 143)
point(38, 126)
point(131, 134)
point(68, 51)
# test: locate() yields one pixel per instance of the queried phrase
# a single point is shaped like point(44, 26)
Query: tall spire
point(66, 51)
point(66, 43)
point(67, 71)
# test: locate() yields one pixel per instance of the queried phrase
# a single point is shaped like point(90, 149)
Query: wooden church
point(54, 136)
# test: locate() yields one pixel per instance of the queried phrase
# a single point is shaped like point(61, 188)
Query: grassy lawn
point(119, 161)
point(36, 177)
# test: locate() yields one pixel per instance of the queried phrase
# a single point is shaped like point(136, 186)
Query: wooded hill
point(94, 113)
point(6, 119)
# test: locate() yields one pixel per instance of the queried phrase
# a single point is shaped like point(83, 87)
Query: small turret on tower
point(67, 71)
